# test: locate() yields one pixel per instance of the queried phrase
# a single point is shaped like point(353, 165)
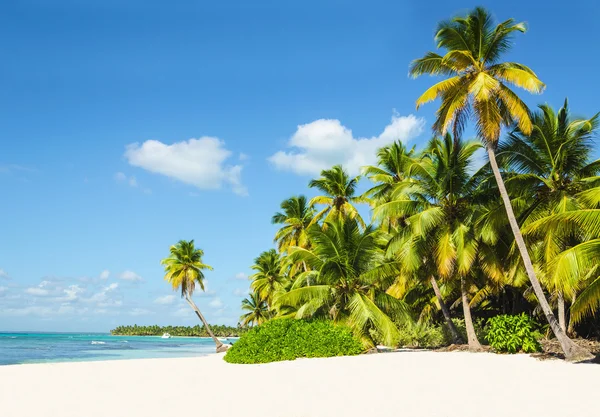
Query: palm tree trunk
point(220, 346)
point(456, 339)
point(561, 312)
point(571, 326)
point(571, 350)
point(474, 344)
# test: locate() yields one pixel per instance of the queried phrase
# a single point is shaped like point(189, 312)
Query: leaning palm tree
point(477, 86)
point(549, 168)
point(339, 189)
point(295, 218)
point(349, 266)
point(184, 270)
point(257, 310)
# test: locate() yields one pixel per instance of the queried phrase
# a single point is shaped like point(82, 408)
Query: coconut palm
point(393, 164)
point(295, 218)
point(439, 206)
point(477, 87)
point(551, 165)
point(268, 280)
point(339, 189)
point(184, 271)
point(349, 266)
point(257, 310)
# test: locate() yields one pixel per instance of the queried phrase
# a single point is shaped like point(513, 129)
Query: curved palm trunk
point(456, 339)
point(571, 350)
point(220, 346)
point(474, 344)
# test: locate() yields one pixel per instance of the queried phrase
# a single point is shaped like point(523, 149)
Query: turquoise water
point(18, 348)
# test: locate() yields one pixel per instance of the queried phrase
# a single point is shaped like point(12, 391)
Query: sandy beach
point(393, 384)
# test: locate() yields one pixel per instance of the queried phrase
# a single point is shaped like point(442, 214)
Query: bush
point(513, 334)
point(420, 335)
point(288, 339)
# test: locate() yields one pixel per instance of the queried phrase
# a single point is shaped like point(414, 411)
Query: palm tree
point(551, 165)
point(393, 165)
point(257, 310)
point(349, 267)
point(296, 216)
point(268, 281)
point(184, 270)
point(339, 190)
point(477, 86)
point(439, 206)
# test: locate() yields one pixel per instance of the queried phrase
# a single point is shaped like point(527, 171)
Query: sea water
point(18, 348)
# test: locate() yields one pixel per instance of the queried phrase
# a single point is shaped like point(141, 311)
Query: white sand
point(411, 384)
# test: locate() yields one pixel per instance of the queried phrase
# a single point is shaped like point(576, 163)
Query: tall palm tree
point(439, 204)
point(339, 189)
point(477, 86)
point(349, 266)
point(184, 271)
point(295, 218)
point(257, 310)
point(550, 166)
point(268, 280)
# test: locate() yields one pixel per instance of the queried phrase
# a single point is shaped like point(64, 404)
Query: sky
point(127, 126)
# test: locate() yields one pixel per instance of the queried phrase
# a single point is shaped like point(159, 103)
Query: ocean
point(16, 348)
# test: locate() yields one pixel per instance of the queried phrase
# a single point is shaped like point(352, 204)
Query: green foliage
point(195, 331)
point(421, 335)
point(513, 334)
point(288, 339)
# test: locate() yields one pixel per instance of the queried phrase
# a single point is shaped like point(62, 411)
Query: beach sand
point(411, 384)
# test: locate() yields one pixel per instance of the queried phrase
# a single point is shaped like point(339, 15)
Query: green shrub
point(513, 334)
point(288, 339)
point(478, 324)
point(422, 335)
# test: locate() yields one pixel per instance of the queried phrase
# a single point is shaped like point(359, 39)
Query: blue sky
point(100, 102)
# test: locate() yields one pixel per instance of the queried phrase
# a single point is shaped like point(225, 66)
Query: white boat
point(165, 336)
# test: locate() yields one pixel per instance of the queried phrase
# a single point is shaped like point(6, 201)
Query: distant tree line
point(196, 331)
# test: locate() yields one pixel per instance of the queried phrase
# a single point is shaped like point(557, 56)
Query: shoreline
point(392, 384)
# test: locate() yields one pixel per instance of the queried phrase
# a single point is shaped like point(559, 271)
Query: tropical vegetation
point(288, 339)
point(184, 331)
point(441, 248)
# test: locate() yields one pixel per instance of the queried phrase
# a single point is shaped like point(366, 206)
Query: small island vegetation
point(186, 331)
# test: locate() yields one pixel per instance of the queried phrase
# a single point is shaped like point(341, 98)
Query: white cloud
point(241, 275)
point(216, 303)
point(130, 276)
point(72, 293)
point(105, 274)
point(326, 142)
point(139, 312)
point(3, 291)
point(3, 274)
point(240, 292)
point(37, 291)
point(198, 162)
point(166, 299)
point(243, 156)
point(183, 312)
point(122, 178)
point(119, 177)
point(103, 296)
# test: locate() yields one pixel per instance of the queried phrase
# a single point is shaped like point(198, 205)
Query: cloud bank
point(198, 162)
point(326, 142)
